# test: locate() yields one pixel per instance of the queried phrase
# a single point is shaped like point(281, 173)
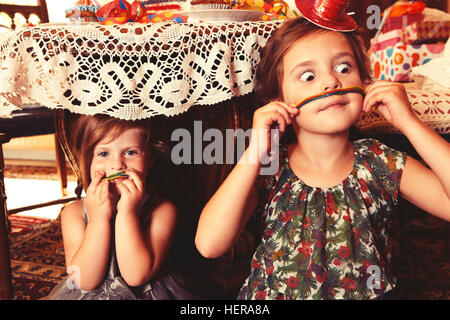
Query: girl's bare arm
point(140, 253)
point(428, 188)
point(86, 247)
point(226, 213)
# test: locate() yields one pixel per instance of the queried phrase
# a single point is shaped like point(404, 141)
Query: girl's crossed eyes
point(309, 75)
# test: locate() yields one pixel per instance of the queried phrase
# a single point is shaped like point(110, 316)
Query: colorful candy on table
point(83, 11)
point(270, 7)
point(164, 5)
point(122, 11)
point(210, 4)
point(405, 41)
point(273, 9)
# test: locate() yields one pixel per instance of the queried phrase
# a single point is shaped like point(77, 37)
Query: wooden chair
point(25, 123)
point(39, 10)
point(5, 268)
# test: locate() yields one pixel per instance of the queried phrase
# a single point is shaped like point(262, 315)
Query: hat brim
point(306, 9)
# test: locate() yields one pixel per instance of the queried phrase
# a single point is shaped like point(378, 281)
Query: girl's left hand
point(132, 191)
point(391, 100)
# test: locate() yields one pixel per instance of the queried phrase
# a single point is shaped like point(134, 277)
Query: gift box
point(426, 32)
point(384, 40)
point(397, 23)
point(394, 63)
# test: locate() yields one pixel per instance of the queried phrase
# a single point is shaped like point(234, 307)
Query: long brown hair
point(88, 130)
point(269, 73)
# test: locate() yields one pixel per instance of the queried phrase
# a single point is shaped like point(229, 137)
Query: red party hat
point(328, 14)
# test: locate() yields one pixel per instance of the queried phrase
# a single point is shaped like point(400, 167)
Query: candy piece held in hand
point(120, 174)
point(325, 94)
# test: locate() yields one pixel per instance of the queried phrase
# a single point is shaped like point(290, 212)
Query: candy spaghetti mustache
point(116, 175)
point(326, 94)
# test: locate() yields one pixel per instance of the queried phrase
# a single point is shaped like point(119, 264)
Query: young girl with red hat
point(325, 211)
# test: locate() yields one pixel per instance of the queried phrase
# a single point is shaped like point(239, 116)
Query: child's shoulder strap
point(85, 215)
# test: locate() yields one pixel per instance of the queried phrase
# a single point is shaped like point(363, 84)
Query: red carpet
point(37, 258)
point(21, 224)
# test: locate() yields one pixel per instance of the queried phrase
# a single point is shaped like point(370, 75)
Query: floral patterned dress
point(328, 243)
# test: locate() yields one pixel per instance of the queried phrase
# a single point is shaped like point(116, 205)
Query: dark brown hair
point(269, 73)
point(87, 131)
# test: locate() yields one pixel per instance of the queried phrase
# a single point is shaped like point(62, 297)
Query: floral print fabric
point(328, 243)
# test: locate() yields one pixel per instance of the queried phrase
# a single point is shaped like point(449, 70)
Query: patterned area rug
point(37, 260)
point(36, 172)
point(22, 224)
point(36, 249)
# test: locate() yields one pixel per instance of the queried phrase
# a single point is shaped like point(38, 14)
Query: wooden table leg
point(6, 291)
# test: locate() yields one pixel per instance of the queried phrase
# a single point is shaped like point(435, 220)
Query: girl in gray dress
point(117, 238)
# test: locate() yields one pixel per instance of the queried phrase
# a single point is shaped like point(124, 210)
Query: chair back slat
point(39, 10)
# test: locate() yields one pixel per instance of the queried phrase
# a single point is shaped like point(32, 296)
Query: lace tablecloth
point(132, 71)
point(432, 107)
point(138, 71)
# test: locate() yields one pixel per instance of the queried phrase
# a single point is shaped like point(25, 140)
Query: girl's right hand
point(99, 204)
point(263, 121)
